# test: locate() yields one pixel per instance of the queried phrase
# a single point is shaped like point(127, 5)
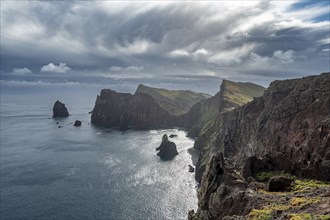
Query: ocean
point(86, 172)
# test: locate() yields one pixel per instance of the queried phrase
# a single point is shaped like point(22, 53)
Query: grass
point(307, 216)
point(176, 102)
point(256, 214)
point(301, 202)
point(305, 184)
point(241, 93)
point(290, 203)
point(265, 176)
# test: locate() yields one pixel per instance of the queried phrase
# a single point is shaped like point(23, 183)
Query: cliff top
point(239, 93)
point(176, 102)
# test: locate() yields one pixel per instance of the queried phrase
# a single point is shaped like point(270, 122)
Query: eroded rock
point(167, 149)
point(59, 110)
point(280, 184)
point(77, 123)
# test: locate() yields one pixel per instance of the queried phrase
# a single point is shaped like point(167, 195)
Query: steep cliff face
point(231, 95)
point(120, 110)
point(289, 124)
point(287, 129)
point(203, 118)
point(147, 108)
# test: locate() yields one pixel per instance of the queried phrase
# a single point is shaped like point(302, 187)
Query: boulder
point(59, 110)
point(280, 183)
point(167, 149)
point(77, 123)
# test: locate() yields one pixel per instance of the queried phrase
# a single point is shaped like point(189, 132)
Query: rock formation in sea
point(167, 149)
point(242, 138)
point(77, 123)
point(286, 130)
point(148, 108)
point(59, 110)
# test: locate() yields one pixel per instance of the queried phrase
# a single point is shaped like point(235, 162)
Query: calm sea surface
point(86, 172)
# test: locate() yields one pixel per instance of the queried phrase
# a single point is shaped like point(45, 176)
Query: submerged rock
point(173, 135)
point(77, 123)
point(59, 110)
point(167, 149)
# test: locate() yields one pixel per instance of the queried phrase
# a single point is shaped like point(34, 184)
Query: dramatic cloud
point(61, 68)
point(241, 40)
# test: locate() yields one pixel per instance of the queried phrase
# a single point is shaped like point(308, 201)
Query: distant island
point(246, 135)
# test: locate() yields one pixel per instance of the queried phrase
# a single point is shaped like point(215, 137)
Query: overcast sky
point(170, 44)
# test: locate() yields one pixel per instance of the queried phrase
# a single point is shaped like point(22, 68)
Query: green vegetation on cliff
point(238, 93)
point(207, 122)
point(176, 102)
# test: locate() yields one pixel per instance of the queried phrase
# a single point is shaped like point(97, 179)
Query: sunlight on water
point(87, 172)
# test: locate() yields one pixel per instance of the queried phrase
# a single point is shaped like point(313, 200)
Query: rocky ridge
point(176, 102)
point(288, 130)
point(148, 108)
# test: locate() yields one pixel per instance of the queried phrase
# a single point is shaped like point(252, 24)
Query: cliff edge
point(287, 130)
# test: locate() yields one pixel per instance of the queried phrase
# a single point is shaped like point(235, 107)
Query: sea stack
point(59, 110)
point(167, 149)
point(77, 123)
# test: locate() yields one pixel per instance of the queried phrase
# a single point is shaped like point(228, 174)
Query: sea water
point(86, 172)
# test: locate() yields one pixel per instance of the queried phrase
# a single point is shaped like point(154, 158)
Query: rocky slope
point(230, 96)
point(287, 129)
point(176, 102)
point(161, 108)
point(203, 118)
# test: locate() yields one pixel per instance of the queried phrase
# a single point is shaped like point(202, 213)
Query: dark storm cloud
point(169, 41)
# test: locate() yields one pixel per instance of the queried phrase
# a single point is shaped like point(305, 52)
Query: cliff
point(286, 130)
point(148, 108)
point(230, 96)
point(203, 118)
point(120, 110)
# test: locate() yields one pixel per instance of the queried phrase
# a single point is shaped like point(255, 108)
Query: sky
point(176, 45)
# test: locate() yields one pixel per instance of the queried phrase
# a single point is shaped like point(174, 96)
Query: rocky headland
point(244, 133)
point(286, 130)
point(148, 108)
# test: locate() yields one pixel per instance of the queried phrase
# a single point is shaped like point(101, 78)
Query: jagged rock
point(77, 123)
point(287, 129)
point(148, 108)
point(173, 135)
point(120, 110)
point(167, 149)
point(191, 169)
point(59, 110)
point(222, 192)
point(280, 183)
